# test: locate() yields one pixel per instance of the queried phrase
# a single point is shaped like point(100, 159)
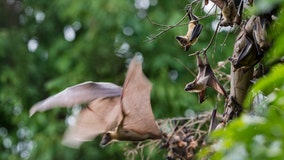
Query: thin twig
point(167, 29)
point(223, 44)
point(213, 37)
point(188, 69)
point(164, 25)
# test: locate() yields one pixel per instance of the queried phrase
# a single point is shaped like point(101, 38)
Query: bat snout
point(182, 40)
point(178, 38)
point(189, 87)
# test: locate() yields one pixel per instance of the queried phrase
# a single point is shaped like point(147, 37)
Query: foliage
point(257, 135)
point(46, 46)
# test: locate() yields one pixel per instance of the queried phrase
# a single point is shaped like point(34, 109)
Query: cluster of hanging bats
point(125, 113)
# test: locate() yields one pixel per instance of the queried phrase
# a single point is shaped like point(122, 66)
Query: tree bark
point(240, 79)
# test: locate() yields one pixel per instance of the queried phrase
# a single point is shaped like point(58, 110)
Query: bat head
point(107, 138)
point(191, 87)
point(228, 12)
point(184, 42)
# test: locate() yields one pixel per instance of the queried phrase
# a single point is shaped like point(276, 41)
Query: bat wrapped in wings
point(250, 47)
point(204, 79)
point(118, 113)
point(260, 37)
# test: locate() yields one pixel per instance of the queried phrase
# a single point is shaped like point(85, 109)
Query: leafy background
point(46, 46)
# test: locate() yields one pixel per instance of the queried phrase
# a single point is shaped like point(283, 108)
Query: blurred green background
point(46, 46)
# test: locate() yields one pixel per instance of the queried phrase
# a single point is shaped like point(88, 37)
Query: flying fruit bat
point(138, 122)
point(204, 79)
point(193, 32)
point(228, 13)
point(119, 114)
point(78, 94)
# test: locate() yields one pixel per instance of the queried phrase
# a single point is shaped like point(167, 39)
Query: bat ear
point(181, 40)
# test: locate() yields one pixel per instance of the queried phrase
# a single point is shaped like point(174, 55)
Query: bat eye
point(188, 87)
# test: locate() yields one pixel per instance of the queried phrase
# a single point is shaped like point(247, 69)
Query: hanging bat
point(228, 12)
point(204, 79)
point(119, 114)
point(238, 17)
point(260, 27)
point(193, 32)
point(248, 55)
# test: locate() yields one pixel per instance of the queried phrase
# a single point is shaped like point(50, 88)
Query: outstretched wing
point(213, 81)
point(207, 77)
point(136, 105)
point(78, 94)
point(101, 115)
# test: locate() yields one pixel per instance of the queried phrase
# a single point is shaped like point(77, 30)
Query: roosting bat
point(228, 12)
point(204, 79)
point(261, 24)
point(238, 17)
point(251, 51)
point(248, 56)
point(193, 32)
point(121, 114)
